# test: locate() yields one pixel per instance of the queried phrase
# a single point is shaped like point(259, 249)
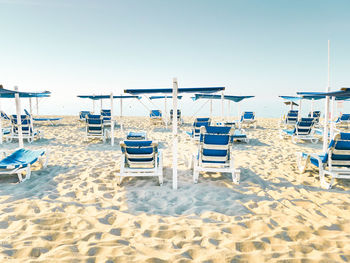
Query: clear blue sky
point(262, 48)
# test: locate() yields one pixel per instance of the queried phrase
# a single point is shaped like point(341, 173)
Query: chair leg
point(236, 176)
point(324, 184)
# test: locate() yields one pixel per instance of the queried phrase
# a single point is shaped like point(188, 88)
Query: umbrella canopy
point(180, 90)
point(163, 97)
point(101, 97)
point(6, 93)
point(219, 97)
point(291, 102)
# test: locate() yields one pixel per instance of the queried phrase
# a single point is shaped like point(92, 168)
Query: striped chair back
point(178, 114)
point(106, 115)
point(27, 127)
point(155, 114)
point(94, 124)
point(206, 119)
point(140, 153)
point(292, 116)
point(214, 148)
point(248, 115)
point(304, 127)
point(339, 151)
point(197, 125)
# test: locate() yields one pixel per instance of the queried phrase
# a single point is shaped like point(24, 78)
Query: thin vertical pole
point(121, 113)
point(300, 103)
point(326, 110)
point(228, 110)
point(175, 90)
point(37, 106)
point(19, 121)
point(332, 118)
point(222, 105)
point(101, 104)
point(312, 107)
point(165, 113)
point(30, 106)
point(211, 109)
point(112, 121)
point(93, 106)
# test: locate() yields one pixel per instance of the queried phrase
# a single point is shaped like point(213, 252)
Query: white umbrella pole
point(312, 107)
point(175, 90)
point(211, 109)
point(332, 118)
point(19, 121)
point(222, 105)
point(228, 110)
point(326, 110)
point(299, 113)
point(93, 106)
point(121, 114)
point(37, 106)
point(165, 114)
point(112, 121)
point(30, 106)
point(101, 104)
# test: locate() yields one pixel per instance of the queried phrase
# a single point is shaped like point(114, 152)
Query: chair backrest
point(4, 115)
point(83, 114)
point(308, 119)
point(178, 114)
point(303, 127)
point(26, 112)
point(214, 148)
point(27, 127)
point(223, 130)
point(94, 124)
point(206, 119)
point(136, 136)
point(139, 153)
point(345, 117)
point(248, 115)
point(339, 151)
point(155, 114)
point(315, 114)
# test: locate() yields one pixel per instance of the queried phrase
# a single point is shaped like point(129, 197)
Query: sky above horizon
point(262, 48)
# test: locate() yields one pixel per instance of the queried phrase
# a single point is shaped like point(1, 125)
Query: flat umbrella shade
point(180, 90)
point(218, 97)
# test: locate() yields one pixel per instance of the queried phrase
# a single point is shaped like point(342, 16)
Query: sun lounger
point(28, 131)
point(179, 118)
point(107, 117)
point(303, 130)
point(21, 161)
point(95, 127)
point(156, 117)
point(141, 158)
point(214, 153)
point(50, 120)
point(83, 115)
point(316, 115)
point(142, 135)
point(4, 116)
point(335, 162)
point(291, 119)
point(195, 132)
point(248, 119)
point(343, 121)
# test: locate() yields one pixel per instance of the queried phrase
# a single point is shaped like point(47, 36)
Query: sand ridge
point(74, 211)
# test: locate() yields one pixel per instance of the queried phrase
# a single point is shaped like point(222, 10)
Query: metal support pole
point(326, 110)
point(211, 109)
point(121, 114)
point(30, 106)
point(222, 105)
point(19, 121)
point(175, 90)
point(165, 113)
point(112, 121)
point(37, 106)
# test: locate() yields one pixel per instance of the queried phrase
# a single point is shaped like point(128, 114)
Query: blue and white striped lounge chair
point(179, 117)
point(303, 130)
point(4, 116)
point(291, 119)
point(335, 162)
point(201, 119)
point(195, 132)
point(107, 117)
point(139, 136)
point(50, 120)
point(28, 131)
point(316, 115)
point(21, 161)
point(156, 116)
point(214, 154)
point(343, 121)
point(238, 135)
point(95, 127)
point(141, 158)
point(83, 114)
point(248, 119)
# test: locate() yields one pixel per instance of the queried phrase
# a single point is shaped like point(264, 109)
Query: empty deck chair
point(156, 116)
point(214, 155)
point(141, 158)
point(316, 115)
point(335, 162)
point(4, 116)
point(142, 135)
point(179, 118)
point(195, 132)
point(95, 127)
point(107, 117)
point(50, 120)
point(291, 118)
point(28, 131)
point(83, 114)
point(248, 119)
point(343, 121)
point(303, 130)
point(201, 119)
point(21, 161)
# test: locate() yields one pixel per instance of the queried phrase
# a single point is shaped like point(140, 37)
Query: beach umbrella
point(5, 93)
point(175, 90)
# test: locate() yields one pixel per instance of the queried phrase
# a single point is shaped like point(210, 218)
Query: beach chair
point(203, 119)
point(214, 154)
point(28, 131)
point(83, 114)
point(291, 118)
point(179, 118)
point(107, 117)
point(20, 162)
point(156, 116)
point(95, 127)
point(343, 121)
point(334, 163)
point(142, 135)
point(248, 119)
point(237, 135)
point(4, 116)
point(50, 120)
point(141, 158)
point(195, 132)
point(303, 130)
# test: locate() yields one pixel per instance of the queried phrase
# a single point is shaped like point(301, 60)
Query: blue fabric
point(202, 119)
point(138, 135)
point(216, 139)
point(5, 93)
point(201, 123)
point(47, 119)
point(21, 158)
point(100, 97)
point(138, 143)
point(180, 90)
point(94, 121)
point(163, 97)
point(219, 97)
point(93, 116)
point(290, 98)
point(155, 113)
point(216, 153)
point(218, 129)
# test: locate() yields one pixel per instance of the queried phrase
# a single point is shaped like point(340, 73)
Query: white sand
point(73, 211)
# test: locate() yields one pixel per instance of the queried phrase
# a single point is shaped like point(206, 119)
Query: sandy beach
point(74, 211)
